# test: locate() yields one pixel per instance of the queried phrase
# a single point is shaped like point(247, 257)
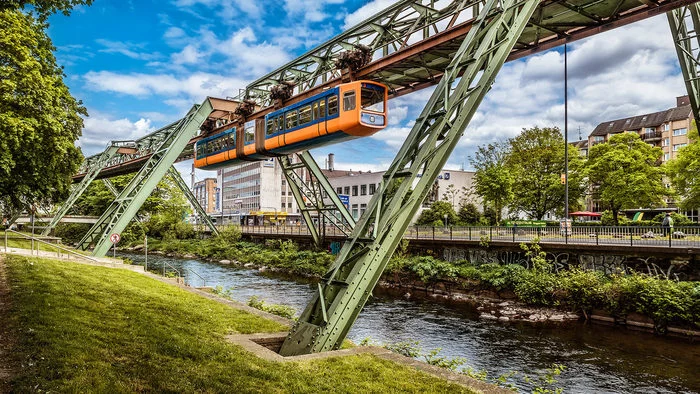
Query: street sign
point(114, 238)
point(345, 199)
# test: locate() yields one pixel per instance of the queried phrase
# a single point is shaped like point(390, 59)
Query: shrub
point(276, 309)
point(229, 234)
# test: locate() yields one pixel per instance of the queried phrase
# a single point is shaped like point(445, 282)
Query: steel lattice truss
point(685, 25)
point(413, 41)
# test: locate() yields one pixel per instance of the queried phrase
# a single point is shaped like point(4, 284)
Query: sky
point(138, 65)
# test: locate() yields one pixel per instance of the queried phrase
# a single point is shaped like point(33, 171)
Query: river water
point(598, 359)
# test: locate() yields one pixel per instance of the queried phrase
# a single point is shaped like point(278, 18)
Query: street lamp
point(445, 220)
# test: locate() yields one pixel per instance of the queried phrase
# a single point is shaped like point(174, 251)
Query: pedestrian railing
point(35, 243)
point(652, 236)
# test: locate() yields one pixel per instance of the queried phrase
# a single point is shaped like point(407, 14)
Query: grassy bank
point(666, 302)
point(84, 328)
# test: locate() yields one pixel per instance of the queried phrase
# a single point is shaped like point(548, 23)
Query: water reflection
point(599, 359)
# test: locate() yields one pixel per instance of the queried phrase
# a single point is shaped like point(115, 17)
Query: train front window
point(373, 99)
point(348, 101)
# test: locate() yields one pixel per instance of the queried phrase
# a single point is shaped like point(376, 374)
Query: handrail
point(179, 275)
point(50, 244)
point(204, 281)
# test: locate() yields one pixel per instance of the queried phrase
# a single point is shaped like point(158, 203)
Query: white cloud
point(366, 11)
point(128, 49)
point(99, 129)
point(224, 11)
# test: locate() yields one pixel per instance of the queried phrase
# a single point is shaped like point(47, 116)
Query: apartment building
point(206, 194)
point(666, 129)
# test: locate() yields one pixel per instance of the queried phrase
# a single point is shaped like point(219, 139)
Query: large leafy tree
point(625, 173)
point(436, 214)
point(39, 119)
point(684, 172)
point(43, 8)
point(492, 180)
point(535, 162)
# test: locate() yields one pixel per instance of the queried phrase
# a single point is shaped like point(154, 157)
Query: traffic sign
point(114, 238)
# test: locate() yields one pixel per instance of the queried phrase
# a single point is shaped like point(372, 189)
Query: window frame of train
point(376, 92)
point(333, 105)
point(271, 126)
point(349, 101)
point(288, 119)
point(249, 133)
point(305, 110)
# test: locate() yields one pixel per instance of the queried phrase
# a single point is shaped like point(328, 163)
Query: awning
point(585, 213)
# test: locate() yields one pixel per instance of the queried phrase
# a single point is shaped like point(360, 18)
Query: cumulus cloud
point(225, 11)
point(99, 129)
point(366, 11)
point(128, 49)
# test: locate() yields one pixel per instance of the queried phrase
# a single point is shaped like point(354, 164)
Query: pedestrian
point(667, 224)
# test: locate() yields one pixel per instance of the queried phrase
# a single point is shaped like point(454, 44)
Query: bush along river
point(598, 358)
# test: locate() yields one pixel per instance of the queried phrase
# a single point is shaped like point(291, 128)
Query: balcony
point(650, 136)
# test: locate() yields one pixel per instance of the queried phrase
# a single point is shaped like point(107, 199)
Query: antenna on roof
point(579, 133)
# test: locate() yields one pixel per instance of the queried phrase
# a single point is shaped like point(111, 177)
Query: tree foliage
point(492, 180)
point(435, 215)
point(43, 8)
point(684, 172)
point(469, 214)
point(39, 119)
point(535, 161)
point(625, 173)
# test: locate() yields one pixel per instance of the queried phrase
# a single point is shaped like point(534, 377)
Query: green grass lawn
point(91, 329)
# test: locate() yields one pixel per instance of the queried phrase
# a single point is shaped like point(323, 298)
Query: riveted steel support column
point(92, 172)
point(345, 288)
point(311, 189)
point(175, 175)
point(685, 25)
point(122, 210)
point(110, 186)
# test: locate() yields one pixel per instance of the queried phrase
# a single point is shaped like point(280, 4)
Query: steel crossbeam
point(348, 284)
point(313, 193)
point(93, 168)
point(110, 186)
point(685, 24)
point(175, 176)
point(122, 210)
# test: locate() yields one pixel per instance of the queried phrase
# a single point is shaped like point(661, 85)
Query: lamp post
point(445, 216)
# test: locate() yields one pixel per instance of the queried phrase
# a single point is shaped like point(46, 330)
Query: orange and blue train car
point(345, 112)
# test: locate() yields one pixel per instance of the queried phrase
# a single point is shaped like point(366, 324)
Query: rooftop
point(638, 122)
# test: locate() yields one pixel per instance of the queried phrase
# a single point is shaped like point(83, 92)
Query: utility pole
point(566, 139)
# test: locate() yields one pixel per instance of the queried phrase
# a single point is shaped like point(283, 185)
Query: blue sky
point(138, 65)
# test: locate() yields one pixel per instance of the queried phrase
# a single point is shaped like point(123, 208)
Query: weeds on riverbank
point(276, 309)
point(667, 302)
point(543, 383)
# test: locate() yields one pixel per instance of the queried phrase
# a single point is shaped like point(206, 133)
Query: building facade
point(206, 194)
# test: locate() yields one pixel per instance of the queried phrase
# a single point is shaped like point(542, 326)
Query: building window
point(363, 190)
point(372, 188)
point(284, 205)
point(363, 208)
point(666, 142)
point(667, 156)
point(678, 146)
point(682, 131)
point(339, 190)
point(354, 211)
point(666, 127)
point(347, 190)
point(354, 190)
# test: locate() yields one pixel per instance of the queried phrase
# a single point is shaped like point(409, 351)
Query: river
point(598, 359)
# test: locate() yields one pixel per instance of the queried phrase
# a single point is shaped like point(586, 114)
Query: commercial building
point(206, 194)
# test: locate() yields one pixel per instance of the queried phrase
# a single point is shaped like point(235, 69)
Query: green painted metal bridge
point(458, 45)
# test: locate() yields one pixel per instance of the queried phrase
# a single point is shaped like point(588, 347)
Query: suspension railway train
point(326, 118)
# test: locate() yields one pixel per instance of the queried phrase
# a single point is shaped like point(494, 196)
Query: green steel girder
point(411, 34)
point(126, 205)
point(93, 168)
point(685, 24)
point(110, 186)
point(175, 176)
point(311, 189)
point(346, 287)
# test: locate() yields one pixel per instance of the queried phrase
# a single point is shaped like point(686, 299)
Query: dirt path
point(7, 338)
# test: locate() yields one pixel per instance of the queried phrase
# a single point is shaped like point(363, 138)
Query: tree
point(469, 214)
point(536, 161)
point(492, 181)
point(43, 8)
point(625, 173)
point(684, 172)
point(39, 119)
point(435, 215)
point(451, 193)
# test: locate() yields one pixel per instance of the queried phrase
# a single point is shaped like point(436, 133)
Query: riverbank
point(81, 326)
point(503, 292)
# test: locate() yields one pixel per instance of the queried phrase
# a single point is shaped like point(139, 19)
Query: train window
point(315, 113)
point(373, 98)
point(349, 101)
point(305, 114)
point(322, 109)
point(249, 133)
point(332, 105)
point(291, 120)
point(271, 126)
point(280, 123)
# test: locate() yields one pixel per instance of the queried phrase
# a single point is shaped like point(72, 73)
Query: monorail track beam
point(345, 288)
